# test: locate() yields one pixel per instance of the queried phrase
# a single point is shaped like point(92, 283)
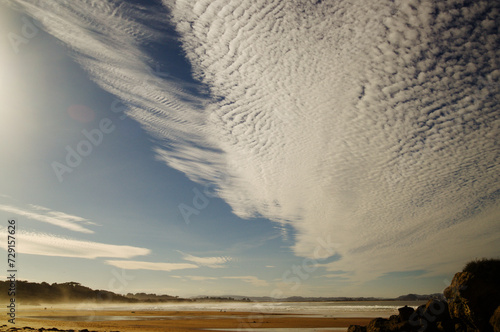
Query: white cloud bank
point(375, 123)
point(53, 245)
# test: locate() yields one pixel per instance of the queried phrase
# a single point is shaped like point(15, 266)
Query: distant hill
point(143, 297)
point(415, 297)
point(409, 297)
point(73, 292)
point(221, 299)
point(34, 293)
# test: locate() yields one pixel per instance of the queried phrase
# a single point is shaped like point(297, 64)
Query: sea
point(324, 309)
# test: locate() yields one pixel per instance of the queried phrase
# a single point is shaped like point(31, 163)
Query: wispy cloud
point(212, 262)
point(154, 266)
point(62, 215)
point(49, 216)
point(375, 123)
point(200, 278)
point(39, 207)
point(332, 276)
point(53, 245)
point(250, 279)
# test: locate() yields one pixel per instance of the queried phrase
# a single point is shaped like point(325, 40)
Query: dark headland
point(471, 304)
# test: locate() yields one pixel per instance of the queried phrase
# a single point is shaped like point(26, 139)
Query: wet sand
point(135, 321)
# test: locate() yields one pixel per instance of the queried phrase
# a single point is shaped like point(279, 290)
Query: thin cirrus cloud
point(374, 123)
point(52, 217)
point(250, 279)
point(211, 262)
point(195, 262)
point(62, 215)
point(154, 266)
point(53, 245)
point(200, 278)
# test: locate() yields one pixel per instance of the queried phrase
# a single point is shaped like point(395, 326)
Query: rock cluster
point(5, 328)
point(474, 296)
point(472, 305)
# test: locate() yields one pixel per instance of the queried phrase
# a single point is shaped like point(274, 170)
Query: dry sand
point(170, 320)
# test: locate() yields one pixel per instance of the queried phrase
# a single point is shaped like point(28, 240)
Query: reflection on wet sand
point(115, 320)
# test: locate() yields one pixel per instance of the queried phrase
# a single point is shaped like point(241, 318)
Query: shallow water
point(93, 318)
point(101, 318)
point(318, 309)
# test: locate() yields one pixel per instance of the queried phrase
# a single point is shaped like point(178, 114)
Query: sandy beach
point(113, 320)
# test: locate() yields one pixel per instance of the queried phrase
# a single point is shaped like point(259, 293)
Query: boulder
point(356, 328)
point(474, 295)
point(377, 325)
point(425, 318)
point(432, 316)
point(397, 324)
point(405, 313)
point(438, 309)
point(495, 320)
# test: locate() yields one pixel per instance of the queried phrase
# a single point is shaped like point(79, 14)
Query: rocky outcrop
point(472, 305)
point(406, 312)
point(474, 295)
point(495, 320)
point(5, 328)
point(356, 328)
point(402, 322)
point(433, 316)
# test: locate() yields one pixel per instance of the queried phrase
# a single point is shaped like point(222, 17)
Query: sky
point(257, 148)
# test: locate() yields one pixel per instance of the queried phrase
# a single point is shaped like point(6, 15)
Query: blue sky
point(220, 153)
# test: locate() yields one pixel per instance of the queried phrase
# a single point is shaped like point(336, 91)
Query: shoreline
point(156, 320)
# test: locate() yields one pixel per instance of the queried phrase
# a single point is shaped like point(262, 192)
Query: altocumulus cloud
point(375, 123)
